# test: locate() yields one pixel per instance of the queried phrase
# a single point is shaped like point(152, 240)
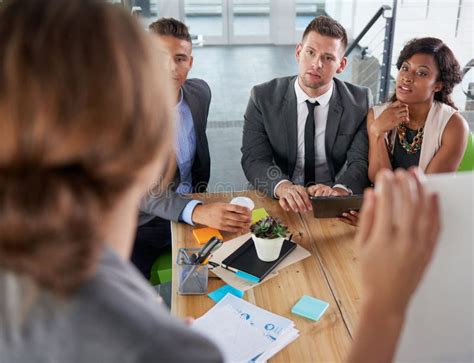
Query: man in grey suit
point(158, 208)
point(306, 135)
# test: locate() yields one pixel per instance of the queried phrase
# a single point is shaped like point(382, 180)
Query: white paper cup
point(244, 202)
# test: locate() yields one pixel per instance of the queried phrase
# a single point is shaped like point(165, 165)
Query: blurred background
point(241, 43)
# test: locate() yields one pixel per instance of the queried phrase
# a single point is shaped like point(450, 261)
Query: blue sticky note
point(310, 307)
point(246, 276)
point(218, 295)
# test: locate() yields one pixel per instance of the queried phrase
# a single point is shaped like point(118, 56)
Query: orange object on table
point(203, 235)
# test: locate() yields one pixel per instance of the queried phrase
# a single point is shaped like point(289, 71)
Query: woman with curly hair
point(420, 126)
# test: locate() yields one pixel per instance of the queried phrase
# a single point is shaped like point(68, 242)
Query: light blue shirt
point(185, 148)
point(185, 145)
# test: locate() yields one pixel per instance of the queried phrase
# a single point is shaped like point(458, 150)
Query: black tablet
point(333, 207)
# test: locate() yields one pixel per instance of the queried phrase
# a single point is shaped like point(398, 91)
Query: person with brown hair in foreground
point(85, 119)
point(74, 162)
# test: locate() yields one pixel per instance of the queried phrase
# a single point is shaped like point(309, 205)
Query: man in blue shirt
point(193, 98)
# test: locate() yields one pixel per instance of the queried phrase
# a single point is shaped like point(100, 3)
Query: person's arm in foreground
point(397, 240)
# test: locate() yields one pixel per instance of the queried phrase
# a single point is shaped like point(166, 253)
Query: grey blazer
point(269, 142)
point(168, 204)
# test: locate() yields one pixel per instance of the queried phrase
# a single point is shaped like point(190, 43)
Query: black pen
point(199, 257)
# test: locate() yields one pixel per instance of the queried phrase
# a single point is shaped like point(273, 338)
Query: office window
point(149, 8)
point(306, 10)
point(251, 17)
point(204, 17)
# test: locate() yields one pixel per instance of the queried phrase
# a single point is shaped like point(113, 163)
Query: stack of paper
point(244, 332)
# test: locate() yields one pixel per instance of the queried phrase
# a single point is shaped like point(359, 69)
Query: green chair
point(161, 270)
point(467, 162)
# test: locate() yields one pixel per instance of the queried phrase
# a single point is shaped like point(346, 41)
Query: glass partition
point(306, 10)
point(204, 17)
point(251, 17)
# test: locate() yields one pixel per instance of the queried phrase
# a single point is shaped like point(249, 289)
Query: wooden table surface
point(330, 274)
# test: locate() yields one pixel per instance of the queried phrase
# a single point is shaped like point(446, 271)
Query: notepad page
point(279, 344)
point(238, 340)
point(272, 325)
point(277, 331)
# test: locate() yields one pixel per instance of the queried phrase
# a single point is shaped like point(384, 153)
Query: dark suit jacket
point(169, 204)
point(269, 143)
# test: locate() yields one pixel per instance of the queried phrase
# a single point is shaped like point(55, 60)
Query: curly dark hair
point(449, 69)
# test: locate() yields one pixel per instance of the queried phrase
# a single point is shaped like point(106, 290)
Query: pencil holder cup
point(192, 278)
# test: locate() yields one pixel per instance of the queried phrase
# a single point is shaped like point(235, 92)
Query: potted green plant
point(268, 235)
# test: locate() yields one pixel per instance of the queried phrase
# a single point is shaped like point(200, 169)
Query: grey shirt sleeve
point(113, 317)
point(167, 204)
point(179, 343)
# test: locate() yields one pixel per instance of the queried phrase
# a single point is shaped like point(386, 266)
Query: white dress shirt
point(322, 174)
point(320, 116)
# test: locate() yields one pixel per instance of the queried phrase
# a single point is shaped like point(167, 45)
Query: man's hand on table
point(321, 190)
point(293, 197)
point(223, 216)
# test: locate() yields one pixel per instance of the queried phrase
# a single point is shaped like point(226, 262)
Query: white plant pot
point(268, 249)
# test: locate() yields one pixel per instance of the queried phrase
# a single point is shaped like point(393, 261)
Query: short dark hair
point(170, 26)
point(449, 69)
point(328, 27)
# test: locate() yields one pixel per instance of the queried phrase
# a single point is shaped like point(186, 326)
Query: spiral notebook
point(245, 259)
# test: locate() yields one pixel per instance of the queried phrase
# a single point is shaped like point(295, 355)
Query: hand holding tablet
point(334, 207)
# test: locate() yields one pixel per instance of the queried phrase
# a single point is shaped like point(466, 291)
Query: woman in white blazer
point(420, 126)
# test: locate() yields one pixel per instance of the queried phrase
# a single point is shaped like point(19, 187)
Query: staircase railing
point(389, 14)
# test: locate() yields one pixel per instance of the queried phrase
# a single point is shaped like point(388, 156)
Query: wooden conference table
point(330, 274)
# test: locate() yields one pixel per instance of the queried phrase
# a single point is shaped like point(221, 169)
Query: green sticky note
point(258, 214)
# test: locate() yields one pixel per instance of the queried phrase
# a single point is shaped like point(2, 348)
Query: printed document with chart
point(244, 332)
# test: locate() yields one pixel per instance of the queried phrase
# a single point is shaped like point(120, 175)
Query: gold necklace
point(415, 145)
